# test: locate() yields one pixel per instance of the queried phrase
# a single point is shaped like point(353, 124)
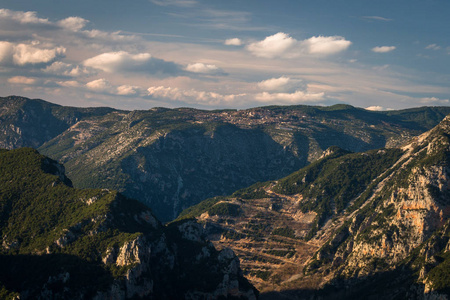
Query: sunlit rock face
point(373, 223)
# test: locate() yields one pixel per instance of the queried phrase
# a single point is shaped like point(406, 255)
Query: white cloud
point(64, 69)
point(22, 80)
point(233, 42)
point(383, 49)
point(191, 96)
point(128, 90)
point(73, 23)
point(290, 98)
point(28, 54)
point(203, 68)
point(100, 85)
point(272, 46)
point(28, 17)
point(433, 47)
point(123, 61)
point(326, 45)
point(23, 54)
point(116, 61)
point(375, 108)
point(274, 84)
point(69, 83)
point(282, 45)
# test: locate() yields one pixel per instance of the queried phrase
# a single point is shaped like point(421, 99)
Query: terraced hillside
point(371, 224)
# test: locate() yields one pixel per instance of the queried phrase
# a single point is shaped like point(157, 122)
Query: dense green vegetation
point(328, 185)
point(225, 209)
point(41, 213)
point(55, 238)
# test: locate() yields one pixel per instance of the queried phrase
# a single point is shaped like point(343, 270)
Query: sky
point(212, 54)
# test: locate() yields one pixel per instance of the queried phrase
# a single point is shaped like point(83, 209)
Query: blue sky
point(227, 54)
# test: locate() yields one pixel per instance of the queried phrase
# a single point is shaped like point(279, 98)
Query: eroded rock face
point(407, 227)
point(148, 262)
point(394, 233)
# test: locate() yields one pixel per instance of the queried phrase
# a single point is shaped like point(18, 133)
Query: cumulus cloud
point(63, 69)
point(274, 84)
point(28, 54)
point(375, 108)
point(23, 54)
point(203, 68)
point(326, 45)
point(100, 85)
point(282, 45)
point(73, 23)
point(123, 61)
point(383, 49)
point(290, 98)
point(28, 17)
point(272, 46)
point(233, 42)
point(22, 80)
point(69, 83)
point(191, 96)
point(128, 90)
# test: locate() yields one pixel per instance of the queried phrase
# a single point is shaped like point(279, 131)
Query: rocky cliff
point(372, 224)
point(64, 243)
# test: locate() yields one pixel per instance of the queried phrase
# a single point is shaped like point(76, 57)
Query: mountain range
point(171, 159)
point(316, 202)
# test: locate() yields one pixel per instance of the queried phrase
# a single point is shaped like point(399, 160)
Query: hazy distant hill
point(59, 242)
point(171, 159)
point(370, 225)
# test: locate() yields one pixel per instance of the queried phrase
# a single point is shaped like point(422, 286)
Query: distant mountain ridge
point(373, 224)
point(58, 242)
point(171, 159)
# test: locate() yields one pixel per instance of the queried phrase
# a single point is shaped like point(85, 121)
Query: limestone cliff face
point(405, 221)
point(148, 263)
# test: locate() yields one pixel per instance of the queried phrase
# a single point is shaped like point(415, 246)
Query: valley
point(330, 202)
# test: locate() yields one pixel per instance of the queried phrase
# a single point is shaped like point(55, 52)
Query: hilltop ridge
point(170, 159)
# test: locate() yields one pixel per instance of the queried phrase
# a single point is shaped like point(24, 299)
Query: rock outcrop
point(98, 244)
